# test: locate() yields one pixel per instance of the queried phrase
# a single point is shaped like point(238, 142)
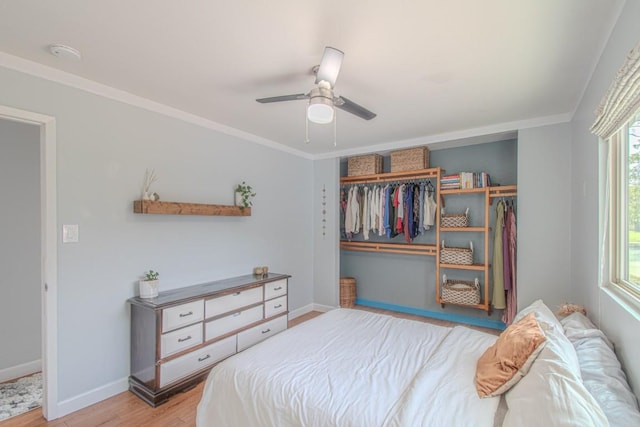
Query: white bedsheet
point(352, 368)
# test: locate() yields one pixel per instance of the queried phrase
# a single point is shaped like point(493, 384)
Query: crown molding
point(52, 74)
point(497, 132)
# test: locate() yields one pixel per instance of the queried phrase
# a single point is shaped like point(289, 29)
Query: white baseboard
point(92, 396)
point(20, 370)
point(309, 308)
point(323, 308)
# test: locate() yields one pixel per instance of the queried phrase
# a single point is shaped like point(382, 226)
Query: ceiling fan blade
point(353, 108)
point(330, 65)
point(283, 98)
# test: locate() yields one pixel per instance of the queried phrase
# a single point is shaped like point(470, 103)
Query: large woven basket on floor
point(347, 292)
point(463, 292)
point(461, 256)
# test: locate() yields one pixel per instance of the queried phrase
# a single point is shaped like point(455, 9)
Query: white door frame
point(49, 251)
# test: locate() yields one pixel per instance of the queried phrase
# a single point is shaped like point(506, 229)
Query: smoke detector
point(65, 52)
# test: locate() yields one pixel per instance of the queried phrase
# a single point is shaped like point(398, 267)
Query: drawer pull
point(186, 314)
point(236, 294)
point(267, 331)
point(184, 339)
point(277, 306)
point(278, 288)
point(202, 359)
point(237, 314)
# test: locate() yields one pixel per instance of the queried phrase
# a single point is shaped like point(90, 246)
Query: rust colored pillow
point(510, 357)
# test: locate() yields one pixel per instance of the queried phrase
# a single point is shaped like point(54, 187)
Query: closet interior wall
point(408, 280)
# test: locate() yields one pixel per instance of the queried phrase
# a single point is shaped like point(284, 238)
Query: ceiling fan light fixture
point(329, 66)
point(320, 109)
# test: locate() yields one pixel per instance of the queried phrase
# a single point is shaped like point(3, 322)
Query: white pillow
point(552, 393)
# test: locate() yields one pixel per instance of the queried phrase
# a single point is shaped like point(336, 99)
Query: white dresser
point(179, 335)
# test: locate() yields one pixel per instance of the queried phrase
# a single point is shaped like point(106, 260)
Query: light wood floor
point(125, 409)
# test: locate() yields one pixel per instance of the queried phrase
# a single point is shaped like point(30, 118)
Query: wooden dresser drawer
point(196, 360)
point(275, 289)
point(261, 332)
point(275, 306)
point(234, 321)
point(182, 315)
point(232, 302)
point(180, 339)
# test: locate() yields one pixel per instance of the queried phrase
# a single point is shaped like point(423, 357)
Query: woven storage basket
point(347, 292)
point(369, 164)
point(461, 256)
point(455, 220)
point(461, 291)
point(410, 159)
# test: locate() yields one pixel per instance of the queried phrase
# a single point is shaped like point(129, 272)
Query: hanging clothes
point(421, 209)
point(512, 298)
point(408, 213)
point(430, 208)
point(498, 254)
point(366, 218)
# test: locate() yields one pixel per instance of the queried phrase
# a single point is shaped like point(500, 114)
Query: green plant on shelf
point(246, 194)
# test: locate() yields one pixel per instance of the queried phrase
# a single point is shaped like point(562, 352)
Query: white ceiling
point(429, 69)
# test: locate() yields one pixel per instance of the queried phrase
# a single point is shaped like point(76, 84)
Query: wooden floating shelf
point(177, 208)
point(464, 190)
point(393, 248)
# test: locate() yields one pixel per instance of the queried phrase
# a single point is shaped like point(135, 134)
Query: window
point(624, 206)
point(618, 126)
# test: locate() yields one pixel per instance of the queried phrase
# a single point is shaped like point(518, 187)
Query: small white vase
point(148, 288)
point(238, 199)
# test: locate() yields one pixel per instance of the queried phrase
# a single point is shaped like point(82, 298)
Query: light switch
point(70, 233)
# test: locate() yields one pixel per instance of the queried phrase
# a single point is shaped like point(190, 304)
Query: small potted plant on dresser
point(244, 194)
point(149, 284)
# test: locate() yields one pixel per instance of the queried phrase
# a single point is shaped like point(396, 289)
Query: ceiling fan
point(321, 98)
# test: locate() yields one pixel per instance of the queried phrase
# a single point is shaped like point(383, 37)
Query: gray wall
point(103, 149)
point(410, 280)
point(20, 319)
point(620, 325)
point(544, 218)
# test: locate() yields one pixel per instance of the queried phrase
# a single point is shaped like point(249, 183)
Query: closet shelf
point(472, 229)
point(394, 248)
point(477, 267)
point(178, 208)
point(392, 176)
point(486, 307)
point(502, 191)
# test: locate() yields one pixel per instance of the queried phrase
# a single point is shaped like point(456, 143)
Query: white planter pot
point(148, 288)
point(238, 199)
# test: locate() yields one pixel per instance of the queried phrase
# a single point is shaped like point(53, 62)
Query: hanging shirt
point(399, 203)
point(430, 208)
point(498, 268)
point(421, 209)
point(366, 219)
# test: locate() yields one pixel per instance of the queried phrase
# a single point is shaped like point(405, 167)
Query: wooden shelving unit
point(394, 248)
point(178, 208)
point(488, 194)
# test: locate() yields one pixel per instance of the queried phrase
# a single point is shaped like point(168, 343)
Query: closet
point(420, 259)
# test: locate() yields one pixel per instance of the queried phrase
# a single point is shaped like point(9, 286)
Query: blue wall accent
point(451, 317)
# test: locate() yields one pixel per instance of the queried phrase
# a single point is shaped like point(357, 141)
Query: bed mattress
point(352, 368)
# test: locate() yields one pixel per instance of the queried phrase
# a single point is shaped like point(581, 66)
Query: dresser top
point(174, 296)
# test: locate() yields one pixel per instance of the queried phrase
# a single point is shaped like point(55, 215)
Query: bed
point(356, 368)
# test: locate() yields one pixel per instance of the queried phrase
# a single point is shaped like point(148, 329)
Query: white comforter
point(352, 368)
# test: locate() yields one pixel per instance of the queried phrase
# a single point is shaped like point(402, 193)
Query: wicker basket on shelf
point(409, 159)
point(464, 292)
point(369, 164)
point(460, 256)
point(347, 292)
point(455, 220)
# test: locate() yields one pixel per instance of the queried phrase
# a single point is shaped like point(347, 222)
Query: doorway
point(48, 251)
